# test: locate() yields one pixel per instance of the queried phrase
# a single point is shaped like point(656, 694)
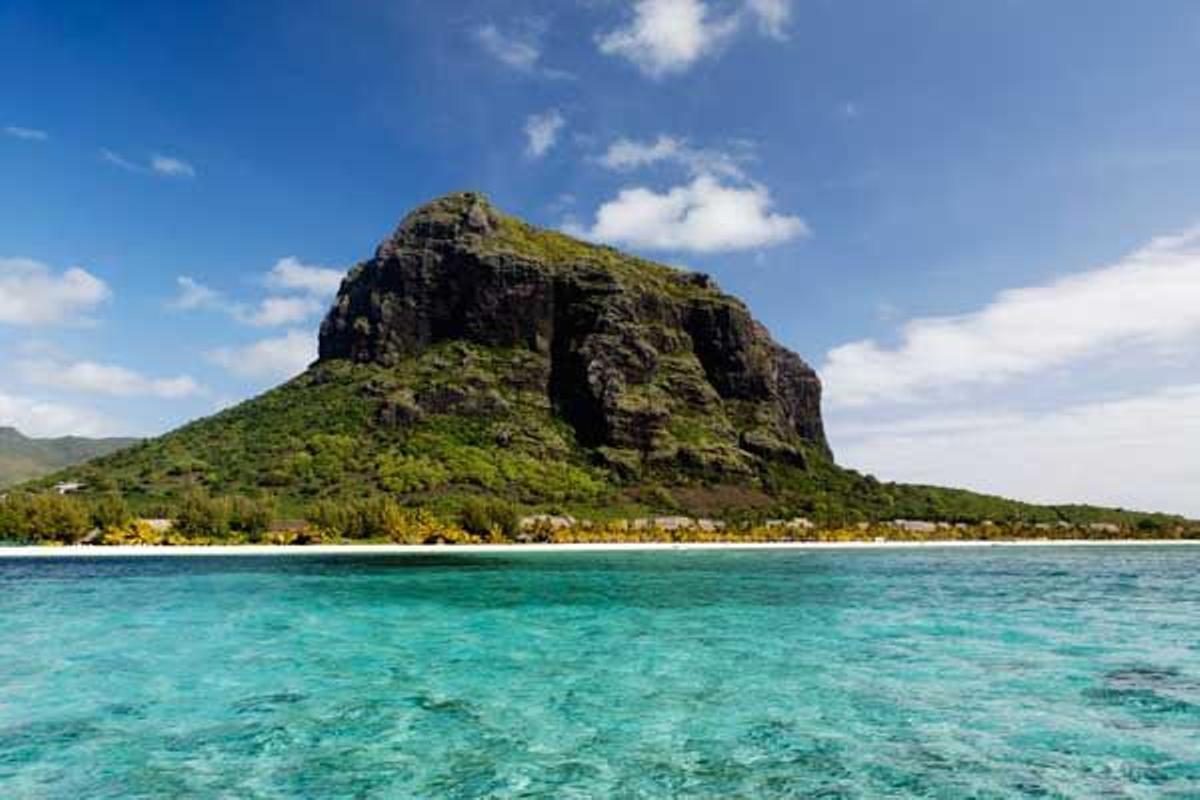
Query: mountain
point(651, 368)
point(475, 354)
point(23, 458)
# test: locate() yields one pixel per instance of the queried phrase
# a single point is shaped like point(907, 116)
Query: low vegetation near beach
point(197, 518)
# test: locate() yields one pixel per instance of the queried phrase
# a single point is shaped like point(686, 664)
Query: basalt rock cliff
point(650, 366)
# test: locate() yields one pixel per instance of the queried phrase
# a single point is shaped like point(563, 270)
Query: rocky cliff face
point(647, 364)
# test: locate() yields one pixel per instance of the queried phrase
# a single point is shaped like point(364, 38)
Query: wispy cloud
point(94, 378)
point(272, 312)
point(703, 216)
point(302, 292)
point(171, 167)
point(194, 295)
point(116, 159)
point(274, 358)
point(157, 164)
point(519, 49)
point(29, 134)
point(520, 53)
point(31, 293)
point(625, 155)
point(541, 132)
point(1150, 299)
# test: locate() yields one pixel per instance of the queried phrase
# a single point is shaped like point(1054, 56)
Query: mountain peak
point(627, 348)
point(451, 217)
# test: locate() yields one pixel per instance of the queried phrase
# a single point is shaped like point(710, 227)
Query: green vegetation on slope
point(463, 422)
point(457, 421)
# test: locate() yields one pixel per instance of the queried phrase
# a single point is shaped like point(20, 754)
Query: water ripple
point(937, 673)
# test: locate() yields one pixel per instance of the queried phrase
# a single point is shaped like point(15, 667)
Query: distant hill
point(23, 457)
point(475, 354)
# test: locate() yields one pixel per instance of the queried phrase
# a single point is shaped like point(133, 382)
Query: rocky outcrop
point(645, 362)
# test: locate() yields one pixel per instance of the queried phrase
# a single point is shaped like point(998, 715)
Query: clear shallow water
point(1039, 672)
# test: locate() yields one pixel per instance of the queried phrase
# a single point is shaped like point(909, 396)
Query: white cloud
point(91, 377)
point(624, 155)
point(1137, 452)
point(1150, 299)
point(667, 36)
point(772, 16)
point(519, 53)
point(32, 294)
point(541, 131)
point(165, 166)
point(275, 311)
point(116, 159)
point(171, 167)
point(276, 358)
point(29, 134)
point(34, 417)
point(703, 216)
point(309, 287)
point(194, 295)
point(293, 275)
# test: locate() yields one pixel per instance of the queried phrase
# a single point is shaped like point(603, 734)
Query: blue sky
point(976, 219)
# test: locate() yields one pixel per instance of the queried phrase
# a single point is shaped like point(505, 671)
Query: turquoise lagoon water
point(1033, 672)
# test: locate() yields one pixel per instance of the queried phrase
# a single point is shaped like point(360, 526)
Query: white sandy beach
point(156, 551)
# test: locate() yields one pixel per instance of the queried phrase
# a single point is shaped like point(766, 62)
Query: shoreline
point(110, 551)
